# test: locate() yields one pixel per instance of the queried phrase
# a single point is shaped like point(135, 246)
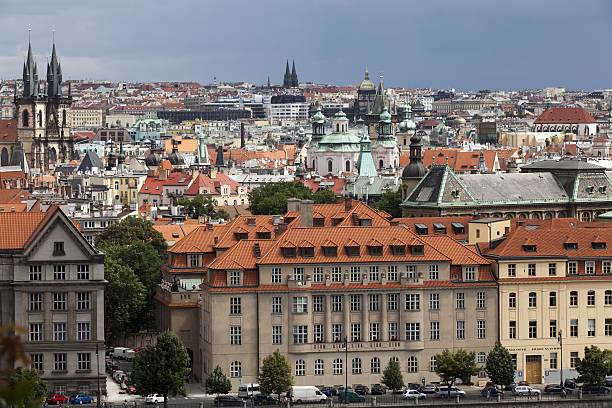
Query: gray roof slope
point(513, 187)
point(563, 164)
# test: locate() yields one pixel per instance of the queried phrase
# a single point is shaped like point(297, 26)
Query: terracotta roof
point(18, 228)
point(154, 185)
point(451, 230)
point(13, 196)
point(200, 240)
point(459, 161)
point(337, 214)
point(242, 255)
point(565, 115)
point(175, 232)
point(8, 130)
point(212, 186)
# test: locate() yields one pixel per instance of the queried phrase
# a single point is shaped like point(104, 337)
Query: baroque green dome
point(385, 116)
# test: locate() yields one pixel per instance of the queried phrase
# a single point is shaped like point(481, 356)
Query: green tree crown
point(392, 376)
point(275, 375)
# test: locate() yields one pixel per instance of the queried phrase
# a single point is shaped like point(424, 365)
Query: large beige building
point(554, 280)
point(52, 288)
point(87, 118)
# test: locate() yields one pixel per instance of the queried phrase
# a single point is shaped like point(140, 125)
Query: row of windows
point(60, 361)
point(552, 299)
point(591, 328)
point(572, 268)
point(412, 301)
point(59, 272)
point(60, 301)
point(83, 331)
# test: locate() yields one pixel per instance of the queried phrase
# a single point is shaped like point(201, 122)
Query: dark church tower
point(287, 77)
point(294, 78)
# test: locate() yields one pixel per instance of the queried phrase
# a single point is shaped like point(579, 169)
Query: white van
point(248, 390)
point(307, 393)
point(119, 352)
point(129, 354)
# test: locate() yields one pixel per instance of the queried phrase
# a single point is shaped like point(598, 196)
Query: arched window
point(381, 164)
point(337, 366)
point(25, 118)
point(40, 118)
point(337, 127)
point(236, 369)
point(300, 368)
point(313, 165)
point(432, 364)
point(319, 367)
point(375, 365)
point(347, 165)
point(4, 157)
point(330, 165)
point(63, 117)
point(413, 364)
point(356, 366)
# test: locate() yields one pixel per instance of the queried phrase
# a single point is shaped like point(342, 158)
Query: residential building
point(567, 119)
point(87, 118)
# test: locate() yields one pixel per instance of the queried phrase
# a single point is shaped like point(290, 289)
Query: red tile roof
point(8, 130)
point(18, 228)
point(565, 115)
point(155, 185)
point(204, 183)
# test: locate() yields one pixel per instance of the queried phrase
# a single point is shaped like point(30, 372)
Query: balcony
point(361, 346)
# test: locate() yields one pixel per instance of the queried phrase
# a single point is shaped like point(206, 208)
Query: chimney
point(348, 203)
point(216, 240)
point(257, 250)
point(251, 221)
point(242, 142)
point(306, 213)
point(209, 227)
point(280, 228)
point(293, 204)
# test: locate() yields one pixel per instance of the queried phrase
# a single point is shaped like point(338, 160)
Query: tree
point(390, 202)
point(595, 365)
point(275, 375)
point(162, 368)
point(324, 196)
point(271, 198)
point(451, 365)
point(217, 382)
point(25, 389)
point(124, 299)
point(392, 376)
point(499, 366)
point(201, 205)
point(131, 230)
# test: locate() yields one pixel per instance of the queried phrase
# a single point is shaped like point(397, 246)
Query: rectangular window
point(300, 304)
point(336, 332)
point(355, 274)
point(606, 267)
point(337, 301)
point(59, 331)
point(512, 329)
point(392, 273)
point(58, 248)
point(317, 303)
point(553, 361)
point(393, 331)
point(318, 333)
point(512, 300)
point(298, 274)
point(591, 327)
point(413, 301)
point(552, 269)
point(608, 327)
point(276, 275)
point(35, 272)
point(411, 271)
point(413, 331)
point(533, 329)
point(336, 274)
point(608, 297)
point(589, 267)
point(36, 332)
point(460, 300)
point(235, 306)
point(591, 298)
point(511, 270)
point(552, 299)
point(481, 300)
point(83, 331)
point(84, 361)
point(59, 272)
point(434, 272)
point(481, 329)
point(277, 334)
point(374, 331)
point(553, 329)
point(355, 303)
point(533, 299)
point(83, 272)
point(83, 301)
point(374, 274)
point(37, 361)
point(36, 302)
point(572, 267)
point(59, 301)
point(317, 274)
point(300, 334)
point(235, 335)
point(460, 329)
point(374, 303)
point(277, 304)
point(355, 331)
point(194, 260)
point(234, 278)
point(392, 301)
point(59, 362)
point(574, 328)
point(573, 298)
point(469, 273)
point(531, 269)
point(434, 330)
point(434, 301)
point(573, 359)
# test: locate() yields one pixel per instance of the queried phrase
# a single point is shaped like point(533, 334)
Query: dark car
point(595, 389)
point(350, 396)
point(510, 387)
point(228, 401)
point(524, 383)
point(570, 383)
point(378, 389)
point(261, 399)
point(362, 389)
point(329, 391)
point(556, 389)
point(491, 391)
point(77, 399)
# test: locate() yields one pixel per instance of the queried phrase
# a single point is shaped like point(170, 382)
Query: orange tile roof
point(18, 228)
point(242, 255)
point(210, 185)
point(200, 240)
point(154, 185)
point(13, 196)
point(565, 116)
point(174, 232)
point(8, 130)
point(330, 212)
point(446, 221)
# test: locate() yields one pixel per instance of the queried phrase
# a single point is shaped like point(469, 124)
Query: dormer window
point(194, 260)
point(590, 189)
point(330, 251)
point(352, 250)
point(602, 189)
point(458, 228)
point(318, 222)
point(289, 252)
point(417, 249)
point(375, 250)
point(241, 235)
point(439, 228)
point(58, 248)
point(570, 245)
point(398, 249)
point(421, 229)
point(529, 247)
point(455, 193)
point(263, 234)
point(599, 245)
point(307, 252)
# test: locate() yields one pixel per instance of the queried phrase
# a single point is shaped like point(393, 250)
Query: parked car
point(228, 401)
point(131, 389)
point(378, 389)
point(608, 381)
point(154, 399)
point(414, 394)
point(429, 389)
point(119, 352)
point(525, 390)
point(362, 389)
point(307, 393)
point(443, 392)
point(595, 389)
point(556, 389)
point(570, 383)
point(491, 390)
point(248, 390)
point(509, 387)
point(57, 399)
point(329, 391)
point(77, 399)
point(265, 400)
point(349, 395)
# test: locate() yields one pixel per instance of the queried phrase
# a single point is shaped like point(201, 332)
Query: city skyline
point(466, 45)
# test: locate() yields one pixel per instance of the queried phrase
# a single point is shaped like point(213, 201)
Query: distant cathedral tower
point(290, 79)
point(43, 118)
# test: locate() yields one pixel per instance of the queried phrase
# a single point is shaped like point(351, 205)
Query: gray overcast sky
point(466, 44)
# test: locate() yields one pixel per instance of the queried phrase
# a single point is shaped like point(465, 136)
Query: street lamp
point(560, 340)
point(98, 377)
point(346, 369)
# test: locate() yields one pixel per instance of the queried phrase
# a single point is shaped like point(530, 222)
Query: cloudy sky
point(465, 44)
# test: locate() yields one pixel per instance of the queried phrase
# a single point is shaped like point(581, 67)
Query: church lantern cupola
point(340, 122)
point(384, 124)
point(318, 125)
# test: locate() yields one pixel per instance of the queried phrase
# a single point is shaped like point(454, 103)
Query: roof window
point(421, 229)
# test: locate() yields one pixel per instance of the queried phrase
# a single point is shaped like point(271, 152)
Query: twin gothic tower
point(43, 115)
